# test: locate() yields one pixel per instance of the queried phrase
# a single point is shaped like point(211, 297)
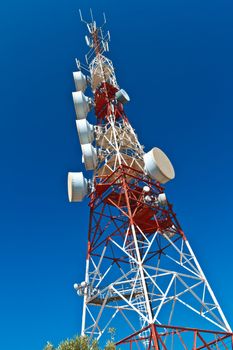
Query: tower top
point(97, 41)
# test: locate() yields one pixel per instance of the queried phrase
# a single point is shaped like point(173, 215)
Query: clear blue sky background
point(175, 59)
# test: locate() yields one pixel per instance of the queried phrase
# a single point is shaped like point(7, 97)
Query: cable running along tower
point(142, 276)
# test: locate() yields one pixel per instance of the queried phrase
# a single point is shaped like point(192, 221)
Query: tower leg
point(85, 297)
point(154, 337)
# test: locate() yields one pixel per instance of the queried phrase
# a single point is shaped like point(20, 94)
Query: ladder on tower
point(139, 299)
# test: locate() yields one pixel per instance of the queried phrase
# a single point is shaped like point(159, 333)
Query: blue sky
point(174, 58)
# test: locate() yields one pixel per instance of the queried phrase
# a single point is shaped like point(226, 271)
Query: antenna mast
point(142, 276)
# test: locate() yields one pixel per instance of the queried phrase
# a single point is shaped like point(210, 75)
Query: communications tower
point(142, 277)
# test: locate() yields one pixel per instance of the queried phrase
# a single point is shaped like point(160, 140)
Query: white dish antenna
point(158, 166)
point(77, 187)
point(162, 199)
point(82, 104)
point(122, 96)
point(80, 81)
point(146, 189)
point(89, 156)
point(85, 131)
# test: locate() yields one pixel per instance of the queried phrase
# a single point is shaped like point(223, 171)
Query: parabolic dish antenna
point(77, 186)
point(89, 156)
point(80, 81)
point(81, 104)
point(122, 96)
point(158, 166)
point(85, 131)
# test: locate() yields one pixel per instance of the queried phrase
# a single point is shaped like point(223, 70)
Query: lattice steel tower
point(142, 276)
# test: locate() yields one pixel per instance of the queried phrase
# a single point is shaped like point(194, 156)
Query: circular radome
point(163, 163)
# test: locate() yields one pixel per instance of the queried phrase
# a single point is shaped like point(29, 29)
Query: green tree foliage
point(112, 331)
point(49, 346)
point(110, 346)
point(79, 343)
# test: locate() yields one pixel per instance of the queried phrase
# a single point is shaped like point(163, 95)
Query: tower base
point(162, 337)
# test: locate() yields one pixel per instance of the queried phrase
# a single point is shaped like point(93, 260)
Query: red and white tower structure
point(142, 276)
